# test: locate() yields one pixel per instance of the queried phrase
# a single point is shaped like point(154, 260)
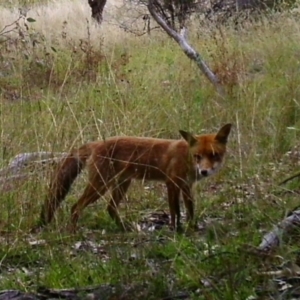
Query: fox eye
point(197, 157)
point(215, 156)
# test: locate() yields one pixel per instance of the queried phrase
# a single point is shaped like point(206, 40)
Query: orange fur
point(115, 162)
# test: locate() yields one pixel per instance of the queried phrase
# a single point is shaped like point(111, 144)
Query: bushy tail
point(64, 176)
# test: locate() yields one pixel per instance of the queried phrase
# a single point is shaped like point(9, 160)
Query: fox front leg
point(174, 205)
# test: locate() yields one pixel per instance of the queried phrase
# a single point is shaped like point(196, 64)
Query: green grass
point(62, 92)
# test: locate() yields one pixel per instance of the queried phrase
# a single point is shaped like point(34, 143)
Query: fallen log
point(16, 173)
point(273, 239)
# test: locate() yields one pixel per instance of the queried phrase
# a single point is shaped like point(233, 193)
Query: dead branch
point(273, 239)
point(187, 48)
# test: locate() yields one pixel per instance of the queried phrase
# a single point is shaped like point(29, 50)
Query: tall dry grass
point(74, 16)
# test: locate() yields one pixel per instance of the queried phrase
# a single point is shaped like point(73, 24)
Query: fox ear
point(223, 133)
point(188, 137)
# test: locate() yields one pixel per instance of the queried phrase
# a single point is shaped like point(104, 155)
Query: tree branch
point(187, 48)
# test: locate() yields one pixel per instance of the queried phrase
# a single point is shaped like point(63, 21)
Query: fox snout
point(205, 167)
point(205, 172)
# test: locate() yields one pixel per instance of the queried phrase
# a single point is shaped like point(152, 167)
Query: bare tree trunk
point(97, 7)
point(186, 47)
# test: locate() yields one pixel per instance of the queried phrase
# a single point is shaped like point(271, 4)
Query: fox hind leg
point(189, 205)
point(118, 193)
point(94, 190)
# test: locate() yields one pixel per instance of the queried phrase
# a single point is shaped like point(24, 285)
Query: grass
point(65, 81)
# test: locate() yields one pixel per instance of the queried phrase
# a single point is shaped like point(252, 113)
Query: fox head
point(207, 151)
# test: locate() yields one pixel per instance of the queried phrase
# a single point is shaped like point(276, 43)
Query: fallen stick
point(290, 178)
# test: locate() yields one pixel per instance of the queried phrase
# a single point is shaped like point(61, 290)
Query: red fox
point(113, 163)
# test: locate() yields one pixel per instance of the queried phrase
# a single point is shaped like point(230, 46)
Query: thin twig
point(9, 25)
point(290, 178)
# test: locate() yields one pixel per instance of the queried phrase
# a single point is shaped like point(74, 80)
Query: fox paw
point(178, 228)
point(126, 226)
point(37, 227)
point(71, 228)
point(192, 226)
